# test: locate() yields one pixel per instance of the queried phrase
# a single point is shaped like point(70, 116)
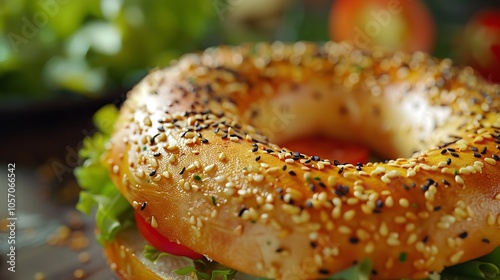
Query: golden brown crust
point(193, 149)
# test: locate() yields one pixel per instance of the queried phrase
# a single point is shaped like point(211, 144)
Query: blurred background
point(61, 60)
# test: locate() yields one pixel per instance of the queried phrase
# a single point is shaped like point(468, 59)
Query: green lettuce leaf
point(204, 269)
point(361, 271)
point(211, 270)
point(208, 270)
point(153, 254)
point(485, 267)
point(112, 210)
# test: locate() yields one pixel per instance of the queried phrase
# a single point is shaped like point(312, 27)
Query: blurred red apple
point(480, 45)
point(391, 24)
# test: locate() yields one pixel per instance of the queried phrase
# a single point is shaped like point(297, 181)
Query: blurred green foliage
point(51, 46)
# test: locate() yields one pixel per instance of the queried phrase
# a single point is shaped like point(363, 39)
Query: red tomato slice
point(495, 49)
point(327, 148)
point(161, 243)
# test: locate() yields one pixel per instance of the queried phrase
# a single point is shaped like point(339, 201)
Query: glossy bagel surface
point(196, 151)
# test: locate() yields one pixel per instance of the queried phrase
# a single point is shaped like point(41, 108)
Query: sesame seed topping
point(349, 214)
point(139, 173)
point(403, 202)
point(353, 240)
point(242, 210)
point(331, 181)
point(389, 201)
point(490, 161)
point(258, 177)
point(459, 180)
point(490, 219)
point(209, 168)
point(411, 239)
point(455, 258)
point(222, 156)
point(344, 230)
point(290, 209)
point(369, 248)
point(154, 223)
point(172, 158)
point(383, 229)
point(172, 148)
point(324, 272)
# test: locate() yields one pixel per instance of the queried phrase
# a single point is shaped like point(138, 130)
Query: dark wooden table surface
point(51, 236)
point(42, 139)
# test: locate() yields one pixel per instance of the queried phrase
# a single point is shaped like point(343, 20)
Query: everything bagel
point(196, 151)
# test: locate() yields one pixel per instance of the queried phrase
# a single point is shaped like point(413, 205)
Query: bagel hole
point(330, 148)
point(391, 126)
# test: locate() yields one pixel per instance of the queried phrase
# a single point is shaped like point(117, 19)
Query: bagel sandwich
point(191, 165)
